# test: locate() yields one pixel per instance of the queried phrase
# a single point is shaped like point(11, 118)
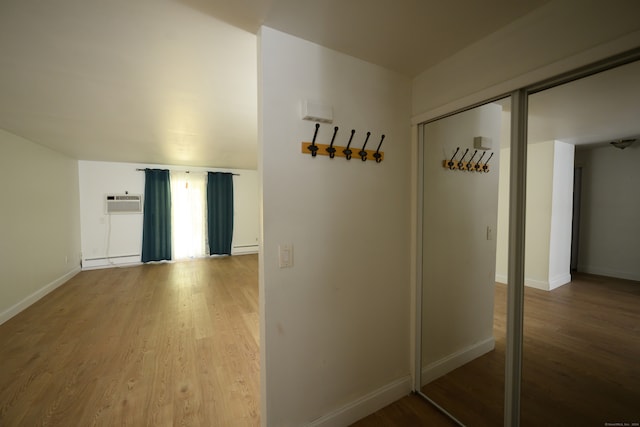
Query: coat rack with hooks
point(347, 152)
point(470, 165)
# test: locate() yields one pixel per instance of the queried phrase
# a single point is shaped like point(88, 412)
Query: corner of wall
point(560, 280)
point(37, 295)
point(365, 405)
point(453, 361)
point(42, 226)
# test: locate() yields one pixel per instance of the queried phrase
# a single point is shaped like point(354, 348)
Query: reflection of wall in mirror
point(458, 257)
point(548, 215)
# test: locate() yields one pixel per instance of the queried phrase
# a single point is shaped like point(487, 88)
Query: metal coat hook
point(363, 153)
point(460, 164)
point(484, 167)
point(330, 149)
point(377, 154)
point(479, 160)
point(334, 149)
point(313, 147)
point(347, 151)
point(469, 166)
point(450, 163)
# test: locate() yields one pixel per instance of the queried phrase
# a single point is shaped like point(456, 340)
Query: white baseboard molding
point(538, 284)
point(112, 261)
point(243, 250)
point(366, 405)
point(534, 283)
point(31, 299)
point(453, 361)
point(557, 281)
point(628, 275)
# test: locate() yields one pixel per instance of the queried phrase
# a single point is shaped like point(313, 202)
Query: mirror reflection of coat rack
point(458, 279)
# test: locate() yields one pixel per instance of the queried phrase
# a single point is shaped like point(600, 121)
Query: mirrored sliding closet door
point(464, 205)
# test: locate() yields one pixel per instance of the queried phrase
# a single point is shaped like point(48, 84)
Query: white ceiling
point(588, 113)
point(175, 81)
point(120, 80)
point(593, 110)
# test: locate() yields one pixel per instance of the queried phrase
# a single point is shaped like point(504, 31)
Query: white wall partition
point(539, 211)
point(335, 326)
point(561, 215)
point(549, 215)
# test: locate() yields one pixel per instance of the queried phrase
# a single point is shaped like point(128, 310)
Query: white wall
point(40, 224)
point(549, 215)
point(119, 237)
point(610, 209)
point(335, 327)
point(558, 37)
point(561, 215)
point(538, 213)
point(458, 255)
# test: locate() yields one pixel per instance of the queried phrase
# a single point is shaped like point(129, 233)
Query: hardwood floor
point(177, 344)
point(581, 364)
point(410, 411)
point(165, 344)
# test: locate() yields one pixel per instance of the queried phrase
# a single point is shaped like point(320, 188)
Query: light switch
point(489, 233)
point(285, 255)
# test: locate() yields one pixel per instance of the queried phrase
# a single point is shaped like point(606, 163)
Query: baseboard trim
point(366, 405)
point(453, 361)
point(538, 284)
point(559, 280)
point(608, 272)
point(34, 297)
point(533, 283)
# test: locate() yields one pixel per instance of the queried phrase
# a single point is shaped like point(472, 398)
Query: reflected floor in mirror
point(410, 411)
point(580, 365)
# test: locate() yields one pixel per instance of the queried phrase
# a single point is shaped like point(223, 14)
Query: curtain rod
point(142, 170)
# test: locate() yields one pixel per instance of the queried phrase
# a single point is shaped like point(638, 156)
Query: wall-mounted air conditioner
point(123, 203)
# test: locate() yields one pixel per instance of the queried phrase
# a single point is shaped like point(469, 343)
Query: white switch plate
point(285, 255)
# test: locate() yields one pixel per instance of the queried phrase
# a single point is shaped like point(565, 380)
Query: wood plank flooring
point(410, 411)
point(581, 364)
point(177, 344)
point(154, 345)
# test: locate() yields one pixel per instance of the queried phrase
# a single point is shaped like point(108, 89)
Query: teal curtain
point(220, 212)
point(156, 222)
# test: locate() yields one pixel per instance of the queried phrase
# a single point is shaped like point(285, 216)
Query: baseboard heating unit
point(110, 261)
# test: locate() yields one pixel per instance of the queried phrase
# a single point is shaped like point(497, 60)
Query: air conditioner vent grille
point(123, 204)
